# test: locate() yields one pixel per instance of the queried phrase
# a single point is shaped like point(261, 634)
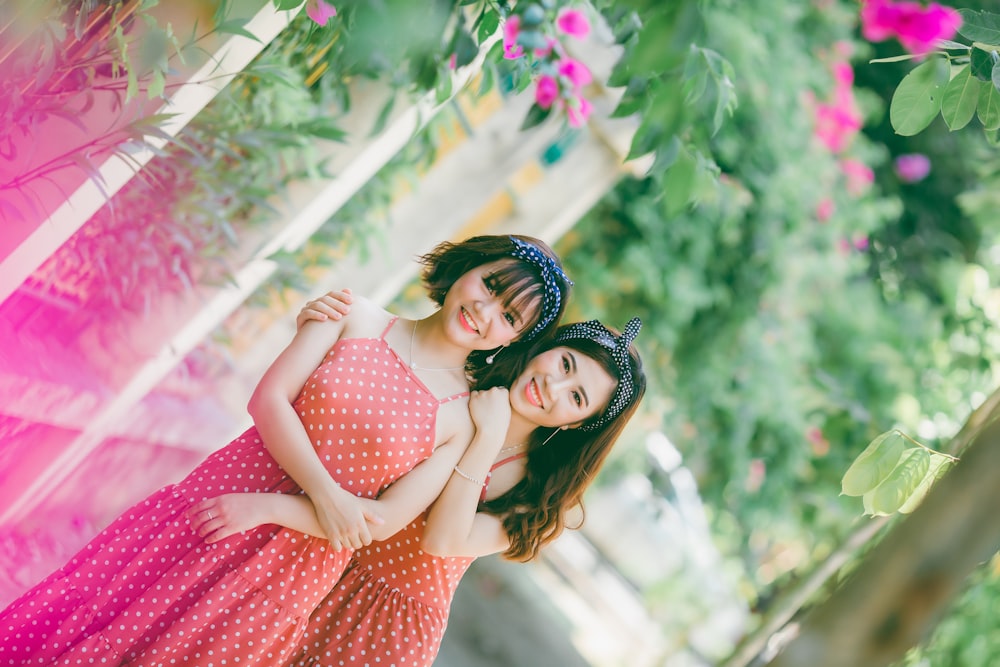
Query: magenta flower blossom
point(912, 167)
point(836, 126)
point(546, 91)
point(859, 175)
point(825, 209)
point(916, 27)
point(320, 11)
point(920, 31)
point(573, 22)
point(879, 19)
point(511, 28)
point(578, 111)
point(575, 71)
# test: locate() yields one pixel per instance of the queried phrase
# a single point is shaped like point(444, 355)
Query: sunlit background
point(176, 180)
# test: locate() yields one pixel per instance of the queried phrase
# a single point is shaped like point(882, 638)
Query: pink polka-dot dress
point(148, 591)
point(389, 609)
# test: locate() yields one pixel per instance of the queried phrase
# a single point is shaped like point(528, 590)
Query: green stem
point(923, 446)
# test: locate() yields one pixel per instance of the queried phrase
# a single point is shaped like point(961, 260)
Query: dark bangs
point(519, 286)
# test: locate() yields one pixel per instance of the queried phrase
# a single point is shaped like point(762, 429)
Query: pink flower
point(575, 71)
point(859, 175)
point(836, 125)
point(320, 11)
point(920, 30)
point(573, 22)
point(916, 27)
point(860, 242)
point(879, 19)
point(820, 445)
point(453, 61)
point(843, 74)
point(755, 475)
point(578, 111)
point(825, 209)
point(912, 167)
point(511, 28)
point(546, 91)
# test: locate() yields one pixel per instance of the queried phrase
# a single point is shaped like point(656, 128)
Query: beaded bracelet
point(468, 477)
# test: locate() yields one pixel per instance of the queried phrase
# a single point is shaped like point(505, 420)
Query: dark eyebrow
point(572, 363)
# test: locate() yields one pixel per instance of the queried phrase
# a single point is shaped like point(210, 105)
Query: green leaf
point(989, 107)
point(383, 116)
point(982, 63)
point(488, 26)
point(285, 5)
point(960, 98)
point(236, 27)
point(445, 85)
point(904, 479)
point(536, 116)
point(678, 183)
point(87, 165)
point(980, 26)
point(938, 466)
point(917, 99)
point(893, 59)
point(465, 48)
point(949, 45)
point(156, 85)
point(995, 75)
point(872, 465)
point(324, 129)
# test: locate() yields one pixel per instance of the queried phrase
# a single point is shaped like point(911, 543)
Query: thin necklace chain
point(513, 448)
point(415, 366)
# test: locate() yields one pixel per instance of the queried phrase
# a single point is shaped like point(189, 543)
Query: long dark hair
point(518, 283)
point(557, 471)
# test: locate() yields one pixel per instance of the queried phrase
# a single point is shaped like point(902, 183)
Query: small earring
point(493, 356)
point(551, 435)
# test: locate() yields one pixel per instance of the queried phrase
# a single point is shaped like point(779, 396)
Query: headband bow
point(594, 331)
point(552, 298)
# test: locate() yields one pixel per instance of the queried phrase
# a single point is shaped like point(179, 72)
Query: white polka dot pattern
point(390, 607)
point(148, 591)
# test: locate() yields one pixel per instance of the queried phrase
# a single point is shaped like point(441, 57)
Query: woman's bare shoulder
point(367, 319)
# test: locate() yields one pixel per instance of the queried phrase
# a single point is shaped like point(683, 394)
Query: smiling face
point(562, 387)
point(480, 316)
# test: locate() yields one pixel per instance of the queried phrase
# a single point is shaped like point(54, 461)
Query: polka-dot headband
point(618, 346)
point(551, 275)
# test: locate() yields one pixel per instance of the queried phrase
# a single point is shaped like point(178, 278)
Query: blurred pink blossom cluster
point(917, 28)
point(838, 120)
point(320, 11)
point(912, 167)
point(561, 79)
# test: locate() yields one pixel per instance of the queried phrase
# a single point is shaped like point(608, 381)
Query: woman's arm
point(455, 527)
point(217, 518)
point(341, 516)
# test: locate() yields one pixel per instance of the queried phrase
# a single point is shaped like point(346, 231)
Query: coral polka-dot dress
point(391, 606)
point(147, 590)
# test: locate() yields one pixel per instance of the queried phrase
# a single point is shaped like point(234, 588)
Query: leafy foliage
point(962, 81)
point(780, 341)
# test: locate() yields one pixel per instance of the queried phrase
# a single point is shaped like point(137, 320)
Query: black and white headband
point(552, 298)
point(594, 331)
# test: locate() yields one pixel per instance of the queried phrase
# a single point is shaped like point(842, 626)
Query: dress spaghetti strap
point(388, 326)
point(486, 485)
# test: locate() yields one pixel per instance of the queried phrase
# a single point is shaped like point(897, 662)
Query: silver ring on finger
point(209, 515)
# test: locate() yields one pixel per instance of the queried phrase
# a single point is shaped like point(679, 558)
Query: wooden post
point(898, 593)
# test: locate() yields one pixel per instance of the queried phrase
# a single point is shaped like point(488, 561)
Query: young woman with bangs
point(349, 407)
point(538, 445)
